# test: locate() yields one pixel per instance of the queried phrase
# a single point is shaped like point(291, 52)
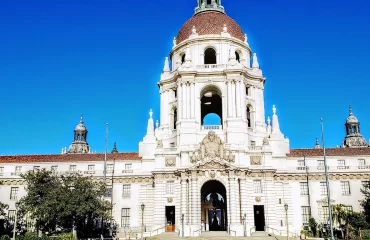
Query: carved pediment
point(324, 201)
point(211, 147)
point(214, 164)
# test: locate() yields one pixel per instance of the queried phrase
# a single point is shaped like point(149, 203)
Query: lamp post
point(142, 220)
point(182, 224)
point(286, 220)
point(244, 223)
point(15, 219)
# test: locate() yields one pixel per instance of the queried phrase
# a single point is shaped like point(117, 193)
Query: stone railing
point(212, 127)
point(255, 148)
point(330, 168)
point(170, 149)
point(211, 66)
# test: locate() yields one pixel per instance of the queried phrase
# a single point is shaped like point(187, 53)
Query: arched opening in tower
point(214, 206)
point(211, 108)
point(182, 58)
point(210, 56)
point(249, 117)
point(174, 118)
point(237, 56)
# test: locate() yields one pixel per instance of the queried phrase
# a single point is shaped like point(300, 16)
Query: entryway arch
point(213, 206)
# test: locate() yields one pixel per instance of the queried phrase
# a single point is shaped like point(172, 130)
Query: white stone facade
point(246, 159)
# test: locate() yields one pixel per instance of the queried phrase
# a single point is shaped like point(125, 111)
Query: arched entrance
point(214, 206)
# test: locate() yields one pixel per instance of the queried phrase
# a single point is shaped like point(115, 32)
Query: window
point(125, 221)
point(54, 168)
point(306, 214)
point(11, 215)
point(18, 169)
point(126, 190)
point(128, 166)
point(169, 187)
point(108, 192)
point(247, 91)
point(300, 163)
point(253, 143)
point(279, 200)
point(323, 188)
point(249, 117)
point(35, 168)
point(109, 167)
point(341, 164)
point(237, 56)
point(320, 162)
point(344, 185)
point(210, 56)
point(14, 193)
point(72, 168)
point(348, 209)
point(90, 167)
point(1, 171)
point(361, 162)
point(325, 214)
point(257, 186)
point(174, 119)
point(304, 188)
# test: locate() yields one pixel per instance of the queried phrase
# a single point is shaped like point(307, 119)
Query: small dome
point(351, 118)
point(210, 23)
point(80, 127)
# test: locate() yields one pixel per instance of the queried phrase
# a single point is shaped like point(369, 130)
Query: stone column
point(188, 106)
point(192, 100)
point(179, 101)
point(229, 110)
point(233, 105)
point(243, 197)
point(243, 100)
point(166, 115)
point(159, 209)
point(194, 187)
point(238, 100)
point(233, 199)
point(184, 101)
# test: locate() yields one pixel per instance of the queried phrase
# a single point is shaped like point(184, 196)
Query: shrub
point(313, 226)
point(4, 237)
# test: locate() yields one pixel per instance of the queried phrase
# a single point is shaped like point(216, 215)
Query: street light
point(182, 224)
point(286, 220)
point(142, 220)
point(244, 223)
point(15, 219)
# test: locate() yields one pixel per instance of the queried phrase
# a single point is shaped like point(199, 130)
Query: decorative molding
point(170, 162)
point(255, 160)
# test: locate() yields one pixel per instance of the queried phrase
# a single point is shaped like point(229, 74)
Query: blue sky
point(104, 58)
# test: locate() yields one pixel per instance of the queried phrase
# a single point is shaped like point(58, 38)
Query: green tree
point(313, 226)
point(3, 217)
point(65, 202)
point(365, 203)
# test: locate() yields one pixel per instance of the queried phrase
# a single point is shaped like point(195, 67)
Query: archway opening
point(211, 105)
point(210, 56)
point(249, 119)
point(214, 206)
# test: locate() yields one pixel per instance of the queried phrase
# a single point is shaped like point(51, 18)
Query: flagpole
point(327, 182)
point(105, 153)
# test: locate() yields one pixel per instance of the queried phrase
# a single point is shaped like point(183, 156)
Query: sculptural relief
point(212, 146)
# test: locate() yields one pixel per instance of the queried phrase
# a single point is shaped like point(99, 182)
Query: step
point(214, 234)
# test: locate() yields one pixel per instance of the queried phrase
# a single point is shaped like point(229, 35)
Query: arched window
point(174, 119)
point(210, 56)
point(209, 2)
point(249, 117)
point(211, 108)
point(182, 58)
point(237, 56)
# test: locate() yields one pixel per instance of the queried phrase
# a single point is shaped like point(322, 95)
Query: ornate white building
point(191, 177)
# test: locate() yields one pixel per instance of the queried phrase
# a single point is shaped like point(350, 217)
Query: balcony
point(331, 169)
point(211, 66)
point(255, 148)
point(363, 167)
point(15, 174)
point(89, 172)
point(127, 171)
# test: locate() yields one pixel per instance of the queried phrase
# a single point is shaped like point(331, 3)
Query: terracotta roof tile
point(209, 23)
point(300, 152)
point(68, 157)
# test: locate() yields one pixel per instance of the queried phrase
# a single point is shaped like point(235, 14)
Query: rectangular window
point(344, 185)
point(128, 166)
point(72, 168)
point(253, 143)
point(125, 220)
point(304, 188)
point(306, 214)
point(14, 193)
point(323, 188)
point(90, 167)
point(126, 190)
point(257, 186)
point(325, 214)
point(35, 168)
point(361, 162)
point(1, 171)
point(348, 209)
point(300, 163)
point(18, 169)
point(109, 167)
point(108, 192)
point(341, 162)
point(11, 215)
point(54, 168)
point(320, 162)
point(169, 187)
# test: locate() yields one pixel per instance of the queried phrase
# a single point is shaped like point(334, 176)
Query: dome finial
point(350, 110)
point(81, 118)
point(317, 144)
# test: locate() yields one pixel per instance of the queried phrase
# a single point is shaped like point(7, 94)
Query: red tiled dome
point(209, 23)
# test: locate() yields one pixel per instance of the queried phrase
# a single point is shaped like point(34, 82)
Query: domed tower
point(79, 144)
point(212, 72)
point(353, 137)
